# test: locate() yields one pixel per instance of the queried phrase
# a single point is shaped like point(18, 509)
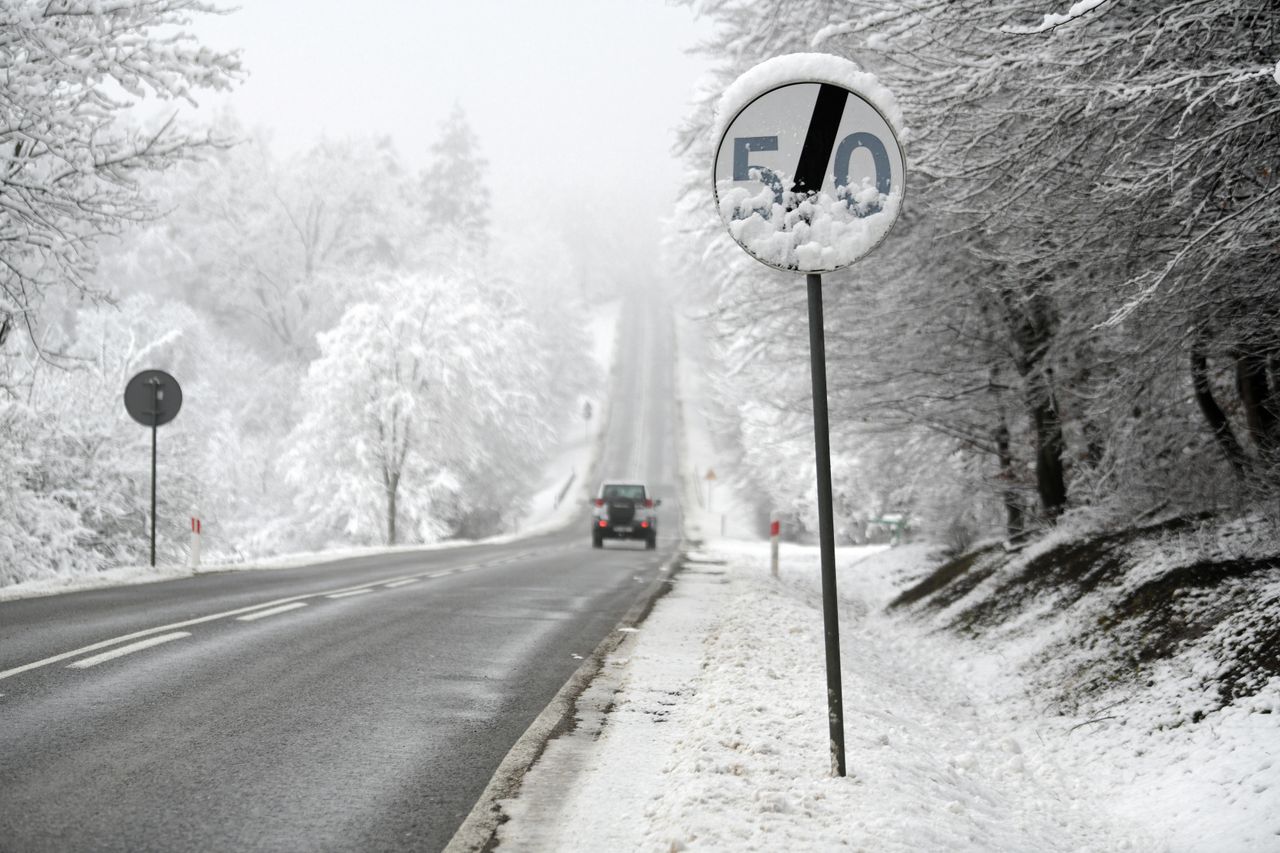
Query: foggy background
point(575, 103)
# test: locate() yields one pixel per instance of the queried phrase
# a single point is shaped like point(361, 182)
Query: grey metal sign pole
point(153, 398)
point(818, 121)
point(826, 524)
point(154, 382)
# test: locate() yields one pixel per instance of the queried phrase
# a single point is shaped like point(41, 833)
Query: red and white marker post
point(775, 530)
point(194, 559)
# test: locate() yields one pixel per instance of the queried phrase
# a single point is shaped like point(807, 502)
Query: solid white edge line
point(128, 650)
point(360, 591)
point(259, 614)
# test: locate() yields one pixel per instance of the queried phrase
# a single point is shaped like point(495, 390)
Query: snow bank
point(717, 736)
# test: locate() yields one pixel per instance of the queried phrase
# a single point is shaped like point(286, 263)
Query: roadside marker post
point(194, 558)
point(809, 177)
point(774, 530)
point(153, 398)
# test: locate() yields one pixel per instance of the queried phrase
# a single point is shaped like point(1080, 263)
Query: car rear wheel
point(651, 542)
point(597, 541)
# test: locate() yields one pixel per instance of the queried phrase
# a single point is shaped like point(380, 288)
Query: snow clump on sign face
point(806, 231)
point(818, 232)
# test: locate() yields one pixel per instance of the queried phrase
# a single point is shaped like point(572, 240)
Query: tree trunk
point(1051, 482)
point(1255, 392)
point(1213, 414)
point(1015, 523)
point(1032, 321)
point(392, 484)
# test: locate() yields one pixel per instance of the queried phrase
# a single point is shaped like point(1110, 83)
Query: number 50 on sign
point(809, 176)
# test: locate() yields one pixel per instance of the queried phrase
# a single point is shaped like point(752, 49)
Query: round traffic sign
point(153, 398)
point(809, 173)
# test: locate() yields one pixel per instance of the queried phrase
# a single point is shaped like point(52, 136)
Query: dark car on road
point(624, 511)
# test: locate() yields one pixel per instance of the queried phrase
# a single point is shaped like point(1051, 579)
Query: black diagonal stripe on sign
point(819, 142)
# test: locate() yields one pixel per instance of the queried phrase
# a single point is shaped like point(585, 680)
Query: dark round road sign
point(153, 398)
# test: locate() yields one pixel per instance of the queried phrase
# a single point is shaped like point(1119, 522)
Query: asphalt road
point(355, 705)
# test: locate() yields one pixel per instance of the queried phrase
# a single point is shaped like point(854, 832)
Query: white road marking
point(360, 591)
point(404, 582)
point(258, 614)
point(212, 617)
point(128, 650)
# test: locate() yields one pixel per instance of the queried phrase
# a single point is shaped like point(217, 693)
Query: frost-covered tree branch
point(71, 156)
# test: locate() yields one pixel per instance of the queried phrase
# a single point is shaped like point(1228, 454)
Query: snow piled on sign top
point(798, 231)
point(806, 67)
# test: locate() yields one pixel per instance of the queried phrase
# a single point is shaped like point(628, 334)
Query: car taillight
point(599, 502)
point(644, 524)
point(648, 504)
point(604, 523)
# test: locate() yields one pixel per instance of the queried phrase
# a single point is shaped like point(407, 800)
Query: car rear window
point(635, 493)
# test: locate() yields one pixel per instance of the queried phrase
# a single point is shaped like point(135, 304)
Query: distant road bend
point(355, 705)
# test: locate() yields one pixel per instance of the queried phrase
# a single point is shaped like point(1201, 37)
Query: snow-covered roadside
point(710, 507)
point(566, 481)
point(707, 728)
point(707, 731)
point(717, 735)
point(576, 460)
point(130, 575)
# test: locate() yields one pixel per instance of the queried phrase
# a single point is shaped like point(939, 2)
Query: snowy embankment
point(564, 489)
point(706, 728)
point(715, 736)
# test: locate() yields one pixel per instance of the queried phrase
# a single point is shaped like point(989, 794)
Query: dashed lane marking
point(350, 592)
point(212, 617)
point(259, 614)
point(128, 650)
point(404, 582)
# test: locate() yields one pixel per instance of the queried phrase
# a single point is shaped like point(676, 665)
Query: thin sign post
point(809, 177)
point(153, 398)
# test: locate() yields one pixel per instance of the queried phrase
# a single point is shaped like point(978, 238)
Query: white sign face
point(809, 177)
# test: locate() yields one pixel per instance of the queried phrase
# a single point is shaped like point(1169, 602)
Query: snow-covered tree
point(70, 159)
point(75, 465)
point(425, 407)
point(1081, 271)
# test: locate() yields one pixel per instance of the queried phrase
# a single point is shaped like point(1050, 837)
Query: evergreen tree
point(455, 195)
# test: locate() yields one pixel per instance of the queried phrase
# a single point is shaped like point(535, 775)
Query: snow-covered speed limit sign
point(809, 172)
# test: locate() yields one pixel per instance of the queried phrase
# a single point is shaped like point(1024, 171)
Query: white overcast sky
point(571, 99)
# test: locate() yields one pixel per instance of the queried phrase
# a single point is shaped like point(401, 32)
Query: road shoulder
point(479, 830)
